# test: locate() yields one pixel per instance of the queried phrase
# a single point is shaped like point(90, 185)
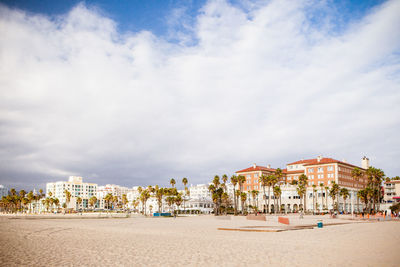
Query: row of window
point(320, 169)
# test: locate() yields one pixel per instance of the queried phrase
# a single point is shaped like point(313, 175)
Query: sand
point(83, 241)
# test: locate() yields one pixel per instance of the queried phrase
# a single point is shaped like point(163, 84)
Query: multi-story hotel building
point(76, 187)
point(253, 175)
point(113, 189)
point(320, 172)
point(392, 191)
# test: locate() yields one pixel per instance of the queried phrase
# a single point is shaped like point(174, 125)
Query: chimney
point(319, 158)
point(365, 162)
point(269, 166)
point(254, 166)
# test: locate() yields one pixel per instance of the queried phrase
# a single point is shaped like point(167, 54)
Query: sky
point(139, 92)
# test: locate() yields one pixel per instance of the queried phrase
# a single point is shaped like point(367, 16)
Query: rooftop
point(256, 168)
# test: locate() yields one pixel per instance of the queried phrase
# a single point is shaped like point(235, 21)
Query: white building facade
point(76, 187)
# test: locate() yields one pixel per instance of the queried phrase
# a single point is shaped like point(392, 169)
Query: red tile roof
point(257, 168)
point(308, 162)
point(302, 161)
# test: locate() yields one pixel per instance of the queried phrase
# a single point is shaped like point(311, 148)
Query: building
point(392, 191)
point(326, 170)
point(253, 174)
point(76, 187)
point(321, 173)
point(3, 191)
point(112, 189)
point(199, 191)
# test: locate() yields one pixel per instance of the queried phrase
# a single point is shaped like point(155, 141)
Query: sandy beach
point(136, 241)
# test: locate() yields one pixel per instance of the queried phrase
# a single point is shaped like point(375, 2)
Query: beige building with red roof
point(321, 172)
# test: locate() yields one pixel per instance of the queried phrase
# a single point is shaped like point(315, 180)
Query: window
point(291, 167)
point(256, 175)
point(320, 176)
point(320, 169)
point(310, 170)
point(330, 168)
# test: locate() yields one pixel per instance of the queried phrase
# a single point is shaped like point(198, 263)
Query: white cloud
point(262, 85)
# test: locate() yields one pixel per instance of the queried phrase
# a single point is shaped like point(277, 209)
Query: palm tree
point(108, 198)
point(57, 203)
point(159, 197)
point(277, 194)
point(225, 201)
point(170, 201)
point(234, 181)
point(334, 191)
point(115, 201)
point(264, 182)
point(279, 174)
point(172, 182)
point(144, 196)
point(178, 201)
point(224, 179)
point(243, 198)
point(30, 197)
point(22, 194)
point(301, 190)
point(321, 185)
point(135, 203)
point(344, 192)
point(254, 194)
point(67, 196)
point(356, 173)
point(303, 182)
point(271, 181)
point(375, 178)
point(241, 180)
point(326, 197)
point(79, 201)
point(92, 201)
point(124, 200)
point(315, 200)
point(363, 195)
point(24, 202)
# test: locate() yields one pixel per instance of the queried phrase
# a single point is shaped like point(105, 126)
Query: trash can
point(319, 224)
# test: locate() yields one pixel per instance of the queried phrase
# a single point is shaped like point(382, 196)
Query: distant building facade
point(76, 187)
point(321, 172)
point(3, 191)
point(392, 191)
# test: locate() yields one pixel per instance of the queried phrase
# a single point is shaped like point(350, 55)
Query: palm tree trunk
point(326, 199)
point(265, 200)
point(358, 209)
point(269, 193)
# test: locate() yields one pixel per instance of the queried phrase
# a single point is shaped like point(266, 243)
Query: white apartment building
point(392, 191)
point(199, 191)
point(76, 187)
point(3, 191)
point(113, 189)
